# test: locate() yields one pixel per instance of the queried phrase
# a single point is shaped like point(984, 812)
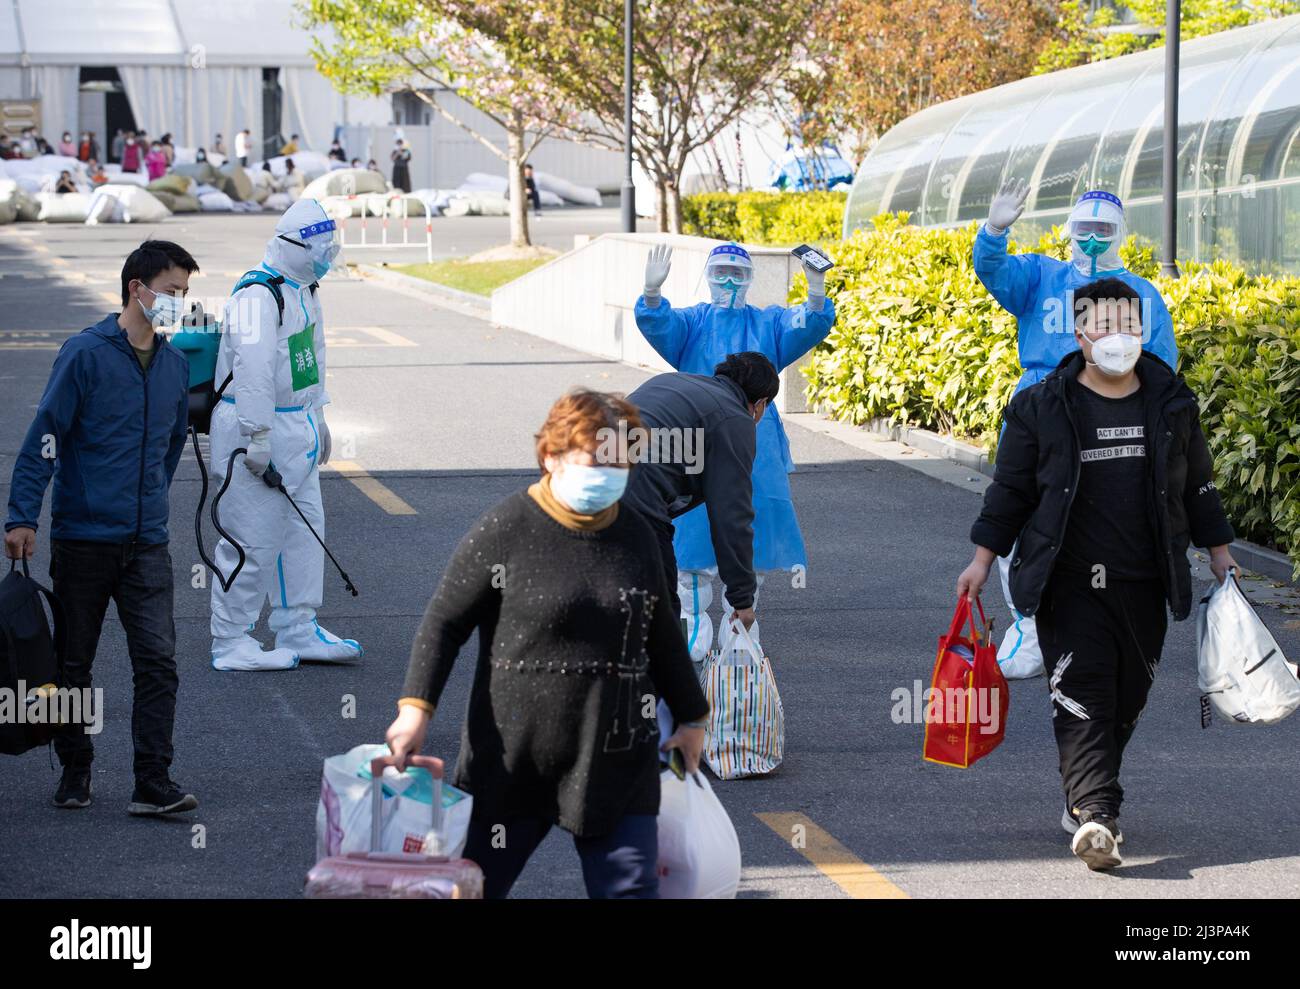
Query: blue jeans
point(620, 865)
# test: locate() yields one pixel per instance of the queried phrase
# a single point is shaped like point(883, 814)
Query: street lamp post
point(1169, 262)
point(627, 194)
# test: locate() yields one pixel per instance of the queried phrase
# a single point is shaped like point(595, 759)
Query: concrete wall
point(585, 299)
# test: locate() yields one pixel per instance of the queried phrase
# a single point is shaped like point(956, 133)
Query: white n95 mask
point(1116, 354)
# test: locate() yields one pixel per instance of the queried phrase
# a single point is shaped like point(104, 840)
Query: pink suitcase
point(376, 875)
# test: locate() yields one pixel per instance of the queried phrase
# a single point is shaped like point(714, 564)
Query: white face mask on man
point(166, 311)
point(1116, 354)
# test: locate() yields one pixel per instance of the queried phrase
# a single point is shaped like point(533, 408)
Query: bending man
point(696, 340)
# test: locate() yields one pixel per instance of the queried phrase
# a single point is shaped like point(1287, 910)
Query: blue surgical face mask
point(166, 312)
point(1094, 248)
point(588, 490)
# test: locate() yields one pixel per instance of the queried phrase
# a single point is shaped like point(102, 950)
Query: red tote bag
point(966, 707)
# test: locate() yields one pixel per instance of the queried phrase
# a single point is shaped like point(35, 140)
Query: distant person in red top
point(156, 162)
point(130, 153)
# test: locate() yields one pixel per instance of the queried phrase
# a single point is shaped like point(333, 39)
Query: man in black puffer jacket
point(1104, 479)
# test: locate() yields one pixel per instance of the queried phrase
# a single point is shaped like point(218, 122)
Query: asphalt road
point(438, 409)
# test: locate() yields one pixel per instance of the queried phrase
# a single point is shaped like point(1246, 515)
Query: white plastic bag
point(344, 812)
point(699, 853)
point(1020, 656)
point(1240, 667)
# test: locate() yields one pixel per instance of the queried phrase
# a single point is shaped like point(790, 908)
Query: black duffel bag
point(30, 657)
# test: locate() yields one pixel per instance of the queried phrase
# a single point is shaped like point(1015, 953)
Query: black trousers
point(139, 580)
point(668, 558)
point(1100, 647)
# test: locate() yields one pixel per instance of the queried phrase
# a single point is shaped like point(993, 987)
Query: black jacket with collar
point(1037, 475)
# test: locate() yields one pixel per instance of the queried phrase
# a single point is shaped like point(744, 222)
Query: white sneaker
point(1071, 825)
point(1095, 843)
point(244, 653)
point(310, 641)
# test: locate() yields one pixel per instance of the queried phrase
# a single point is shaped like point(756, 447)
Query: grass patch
point(479, 277)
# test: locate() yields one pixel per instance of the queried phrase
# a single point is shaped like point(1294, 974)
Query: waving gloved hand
point(1007, 205)
point(258, 456)
point(656, 272)
point(326, 441)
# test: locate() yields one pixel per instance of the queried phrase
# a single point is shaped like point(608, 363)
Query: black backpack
point(30, 654)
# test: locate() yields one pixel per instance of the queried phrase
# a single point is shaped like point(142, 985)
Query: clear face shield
point(728, 282)
point(1096, 229)
point(325, 245)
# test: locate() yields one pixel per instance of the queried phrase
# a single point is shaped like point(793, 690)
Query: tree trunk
point(673, 202)
point(661, 204)
point(515, 177)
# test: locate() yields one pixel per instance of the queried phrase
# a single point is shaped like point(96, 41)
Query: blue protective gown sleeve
point(1161, 341)
point(54, 418)
point(1012, 279)
point(666, 329)
point(799, 329)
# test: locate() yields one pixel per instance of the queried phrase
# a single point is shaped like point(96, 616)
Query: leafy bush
point(918, 340)
point(784, 218)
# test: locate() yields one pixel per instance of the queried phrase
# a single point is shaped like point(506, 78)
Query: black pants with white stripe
point(1100, 648)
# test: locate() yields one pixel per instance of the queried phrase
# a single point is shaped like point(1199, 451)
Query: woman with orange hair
point(577, 640)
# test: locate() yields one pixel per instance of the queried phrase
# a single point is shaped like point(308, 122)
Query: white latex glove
point(326, 442)
point(259, 453)
point(656, 272)
point(816, 281)
point(1007, 205)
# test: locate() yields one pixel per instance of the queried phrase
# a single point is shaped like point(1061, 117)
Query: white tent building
point(190, 67)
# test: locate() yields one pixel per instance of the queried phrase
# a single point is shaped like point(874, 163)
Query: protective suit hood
point(1096, 228)
point(729, 273)
point(305, 246)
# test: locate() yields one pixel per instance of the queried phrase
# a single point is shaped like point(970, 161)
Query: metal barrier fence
point(368, 239)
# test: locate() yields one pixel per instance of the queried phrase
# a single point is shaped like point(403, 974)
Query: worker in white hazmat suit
point(273, 346)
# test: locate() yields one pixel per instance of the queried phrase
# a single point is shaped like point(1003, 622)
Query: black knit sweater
point(575, 644)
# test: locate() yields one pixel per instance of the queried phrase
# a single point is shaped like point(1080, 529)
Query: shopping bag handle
point(435, 767)
point(962, 614)
point(740, 633)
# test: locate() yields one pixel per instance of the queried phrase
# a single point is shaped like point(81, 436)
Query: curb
point(1261, 560)
point(422, 285)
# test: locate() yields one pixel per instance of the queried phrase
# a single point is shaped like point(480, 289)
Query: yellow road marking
point(41, 247)
point(341, 336)
point(110, 297)
point(372, 489)
point(832, 859)
point(58, 261)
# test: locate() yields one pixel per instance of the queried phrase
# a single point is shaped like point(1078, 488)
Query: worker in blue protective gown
point(1039, 292)
point(697, 339)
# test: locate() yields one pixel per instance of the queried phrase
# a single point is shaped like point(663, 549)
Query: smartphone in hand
point(813, 258)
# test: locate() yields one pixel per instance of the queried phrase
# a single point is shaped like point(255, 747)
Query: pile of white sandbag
point(15, 204)
point(124, 204)
point(41, 174)
point(310, 164)
point(551, 189)
point(345, 182)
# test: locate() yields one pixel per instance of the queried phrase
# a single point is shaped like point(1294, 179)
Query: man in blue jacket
point(110, 428)
point(1039, 292)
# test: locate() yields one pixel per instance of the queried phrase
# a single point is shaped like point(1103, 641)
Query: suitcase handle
point(377, 765)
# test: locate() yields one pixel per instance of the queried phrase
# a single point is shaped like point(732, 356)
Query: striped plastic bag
point(746, 733)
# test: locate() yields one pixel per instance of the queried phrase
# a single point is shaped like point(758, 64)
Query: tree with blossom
point(699, 64)
point(380, 47)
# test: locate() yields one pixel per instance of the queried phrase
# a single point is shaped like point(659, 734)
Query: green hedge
point(918, 340)
point(784, 218)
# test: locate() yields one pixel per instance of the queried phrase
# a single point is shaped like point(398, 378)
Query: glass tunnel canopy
point(1101, 126)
